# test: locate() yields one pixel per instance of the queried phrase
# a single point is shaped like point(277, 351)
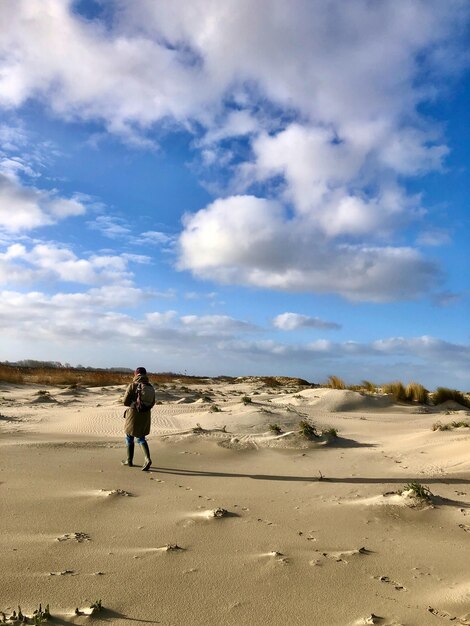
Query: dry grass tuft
point(417, 393)
point(308, 429)
point(57, 376)
point(335, 382)
point(396, 390)
point(450, 425)
point(442, 394)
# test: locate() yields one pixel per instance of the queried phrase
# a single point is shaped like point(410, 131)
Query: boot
point(148, 460)
point(130, 455)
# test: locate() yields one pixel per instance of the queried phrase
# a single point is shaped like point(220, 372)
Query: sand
point(234, 524)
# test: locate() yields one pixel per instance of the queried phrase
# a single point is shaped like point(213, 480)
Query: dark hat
point(140, 370)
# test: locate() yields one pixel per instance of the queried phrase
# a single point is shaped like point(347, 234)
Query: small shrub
point(246, 400)
point(215, 409)
point(368, 386)
point(271, 381)
point(96, 606)
point(308, 429)
point(330, 432)
point(396, 390)
point(416, 393)
point(334, 382)
point(421, 491)
point(450, 425)
point(442, 394)
point(275, 428)
point(359, 388)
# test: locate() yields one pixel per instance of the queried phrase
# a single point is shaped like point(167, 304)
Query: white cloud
point(351, 67)
point(248, 240)
point(25, 208)
point(95, 315)
point(294, 321)
point(46, 262)
point(110, 226)
point(434, 237)
point(73, 325)
point(326, 95)
point(216, 324)
point(156, 238)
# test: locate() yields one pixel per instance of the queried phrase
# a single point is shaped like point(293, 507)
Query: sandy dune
point(235, 523)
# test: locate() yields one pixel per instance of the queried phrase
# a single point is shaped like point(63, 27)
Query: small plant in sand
point(96, 606)
point(420, 491)
point(275, 428)
point(334, 382)
point(443, 394)
point(415, 392)
point(368, 386)
point(396, 390)
point(450, 425)
point(215, 409)
point(331, 433)
point(308, 429)
point(246, 400)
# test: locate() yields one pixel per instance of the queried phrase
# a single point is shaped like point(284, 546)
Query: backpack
point(145, 397)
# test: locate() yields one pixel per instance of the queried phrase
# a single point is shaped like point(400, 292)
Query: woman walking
point(140, 398)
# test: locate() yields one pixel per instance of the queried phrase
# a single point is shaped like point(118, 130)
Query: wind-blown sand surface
point(315, 532)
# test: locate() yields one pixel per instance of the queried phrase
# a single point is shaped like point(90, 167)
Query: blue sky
point(237, 188)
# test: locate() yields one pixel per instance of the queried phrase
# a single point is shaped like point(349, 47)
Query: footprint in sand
point(172, 547)
point(114, 492)
point(342, 556)
point(386, 579)
point(371, 619)
point(439, 613)
point(278, 556)
point(79, 537)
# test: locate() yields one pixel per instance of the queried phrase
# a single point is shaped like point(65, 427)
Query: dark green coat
point(136, 424)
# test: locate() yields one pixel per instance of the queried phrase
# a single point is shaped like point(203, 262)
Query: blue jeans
point(130, 440)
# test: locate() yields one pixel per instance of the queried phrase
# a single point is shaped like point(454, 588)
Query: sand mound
point(336, 400)
point(451, 405)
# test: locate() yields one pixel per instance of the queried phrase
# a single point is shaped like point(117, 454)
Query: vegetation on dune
point(330, 432)
point(55, 375)
point(443, 394)
point(275, 428)
point(335, 382)
point(51, 373)
point(397, 390)
point(420, 491)
point(450, 425)
point(415, 392)
point(308, 429)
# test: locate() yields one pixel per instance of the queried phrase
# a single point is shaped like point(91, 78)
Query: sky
point(277, 187)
